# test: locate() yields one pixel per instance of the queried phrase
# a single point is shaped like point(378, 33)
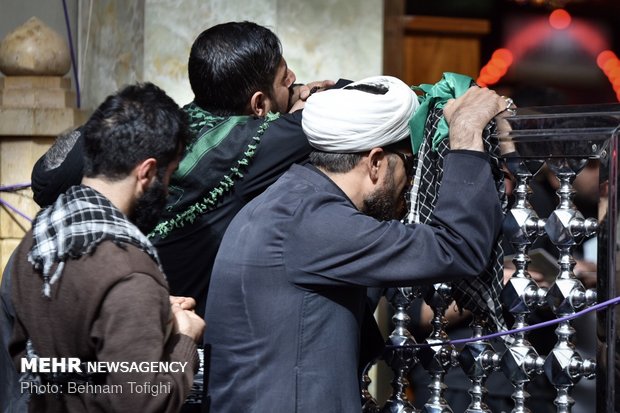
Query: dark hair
point(229, 62)
point(344, 162)
point(335, 162)
point(137, 123)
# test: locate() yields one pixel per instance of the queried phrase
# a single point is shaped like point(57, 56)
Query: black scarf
point(481, 295)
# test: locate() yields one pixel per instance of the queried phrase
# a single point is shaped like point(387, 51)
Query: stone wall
point(150, 39)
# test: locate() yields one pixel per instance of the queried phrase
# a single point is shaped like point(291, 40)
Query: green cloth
point(224, 146)
point(216, 129)
point(451, 85)
point(221, 149)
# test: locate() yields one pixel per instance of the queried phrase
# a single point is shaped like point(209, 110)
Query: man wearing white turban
point(288, 290)
point(361, 116)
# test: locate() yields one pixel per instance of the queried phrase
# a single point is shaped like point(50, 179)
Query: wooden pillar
point(393, 35)
point(33, 111)
point(419, 49)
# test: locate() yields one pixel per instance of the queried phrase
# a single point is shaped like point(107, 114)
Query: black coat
point(288, 289)
point(188, 253)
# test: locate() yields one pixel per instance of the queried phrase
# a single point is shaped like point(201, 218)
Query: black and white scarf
point(74, 226)
point(481, 295)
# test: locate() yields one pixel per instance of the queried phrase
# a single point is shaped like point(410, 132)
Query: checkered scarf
point(73, 226)
point(481, 295)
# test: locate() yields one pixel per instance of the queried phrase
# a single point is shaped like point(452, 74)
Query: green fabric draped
point(451, 85)
point(221, 149)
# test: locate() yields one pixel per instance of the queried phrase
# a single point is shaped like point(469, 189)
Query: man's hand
point(585, 271)
point(186, 303)
point(188, 323)
point(469, 114)
point(303, 92)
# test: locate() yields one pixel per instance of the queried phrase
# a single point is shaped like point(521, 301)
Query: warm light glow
point(497, 67)
point(503, 55)
point(559, 19)
point(528, 37)
point(610, 65)
point(588, 36)
point(584, 34)
point(605, 56)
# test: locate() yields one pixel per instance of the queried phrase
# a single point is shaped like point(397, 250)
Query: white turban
point(352, 120)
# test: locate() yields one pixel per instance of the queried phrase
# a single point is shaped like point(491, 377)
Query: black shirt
point(188, 253)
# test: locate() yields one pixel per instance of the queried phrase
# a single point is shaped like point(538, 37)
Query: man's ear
point(259, 104)
point(374, 162)
point(145, 173)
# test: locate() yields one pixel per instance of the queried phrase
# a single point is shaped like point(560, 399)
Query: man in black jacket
point(246, 128)
point(289, 286)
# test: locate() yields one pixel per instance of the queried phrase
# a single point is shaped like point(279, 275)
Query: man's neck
point(348, 184)
point(120, 192)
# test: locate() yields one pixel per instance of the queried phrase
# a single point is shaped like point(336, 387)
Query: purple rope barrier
point(12, 188)
point(15, 187)
point(595, 307)
point(73, 63)
point(12, 208)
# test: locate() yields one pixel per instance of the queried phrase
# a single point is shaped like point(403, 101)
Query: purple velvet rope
point(11, 188)
point(12, 208)
point(16, 187)
point(595, 307)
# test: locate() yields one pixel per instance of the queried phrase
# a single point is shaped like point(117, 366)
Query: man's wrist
point(463, 135)
point(477, 154)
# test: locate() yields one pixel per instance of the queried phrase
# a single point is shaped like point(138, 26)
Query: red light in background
point(604, 57)
point(610, 65)
point(496, 67)
point(528, 37)
point(503, 55)
point(559, 19)
point(586, 35)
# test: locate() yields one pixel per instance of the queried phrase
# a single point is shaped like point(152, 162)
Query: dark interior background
point(556, 68)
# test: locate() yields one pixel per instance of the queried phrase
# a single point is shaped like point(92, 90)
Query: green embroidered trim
point(199, 118)
point(164, 228)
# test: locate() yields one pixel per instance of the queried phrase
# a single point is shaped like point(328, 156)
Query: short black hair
point(344, 162)
point(229, 62)
point(139, 122)
point(335, 162)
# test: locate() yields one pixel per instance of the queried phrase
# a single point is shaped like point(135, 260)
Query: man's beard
point(380, 204)
point(149, 207)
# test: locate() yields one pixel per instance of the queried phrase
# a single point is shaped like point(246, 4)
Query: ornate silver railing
point(564, 140)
